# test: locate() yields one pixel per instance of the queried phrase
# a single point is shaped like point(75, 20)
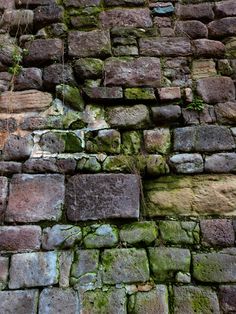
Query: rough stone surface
point(29, 78)
point(128, 17)
point(192, 29)
point(217, 232)
point(216, 89)
point(201, 11)
point(4, 265)
point(94, 43)
point(56, 300)
point(203, 139)
point(215, 267)
point(65, 261)
point(125, 265)
point(64, 236)
point(208, 48)
point(203, 68)
point(157, 140)
point(166, 114)
point(225, 8)
point(46, 15)
point(222, 27)
point(35, 198)
point(98, 236)
point(17, 148)
point(3, 195)
point(226, 112)
point(88, 68)
point(221, 163)
point(192, 299)
point(56, 74)
point(20, 239)
point(166, 262)
point(187, 163)
point(33, 270)
point(143, 71)
point(227, 297)
point(139, 232)
point(19, 301)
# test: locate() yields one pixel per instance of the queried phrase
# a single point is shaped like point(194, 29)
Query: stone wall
point(117, 165)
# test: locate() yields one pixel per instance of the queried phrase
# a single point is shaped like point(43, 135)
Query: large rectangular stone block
point(102, 196)
point(35, 198)
point(33, 269)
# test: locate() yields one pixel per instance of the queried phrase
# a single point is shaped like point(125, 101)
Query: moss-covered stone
point(131, 142)
point(88, 164)
point(106, 141)
point(98, 236)
point(157, 141)
point(139, 232)
point(73, 143)
point(107, 301)
point(73, 120)
point(179, 232)
point(125, 266)
point(71, 96)
point(117, 163)
point(88, 68)
point(140, 93)
point(166, 262)
point(155, 165)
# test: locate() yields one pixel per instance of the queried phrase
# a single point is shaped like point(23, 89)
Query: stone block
point(42, 51)
point(216, 267)
point(57, 300)
point(102, 196)
point(126, 17)
point(24, 100)
point(145, 93)
point(35, 3)
point(143, 71)
point(47, 15)
point(191, 299)
point(222, 27)
point(216, 89)
point(217, 232)
point(82, 3)
point(98, 301)
point(99, 236)
point(19, 301)
point(29, 78)
point(225, 8)
point(88, 68)
point(95, 43)
point(193, 29)
point(226, 112)
point(203, 68)
point(157, 140)
point(143, 232)
point(3, 196)
point(166, 114)
point(221, 163)
point(65, 259)
point(165, 46)
point(60, 236)
point(20, 239)
point(227, 297)
point(124, 2)
point(35, 198)
point(208, 48)
point(203, 139)
point(169, 93)
point(166, 262)
point(153, 301)
point(33, 270)
point(125, 266)
point(10, 4)
point(179, 232)
point(9, 167)
point(56, 74)
point(187, 163)
point(20, 21)
point(200, 11)
point(4, 265)
point(17, 148)
point(104, 93)
point(135, 117)
point(131, 142)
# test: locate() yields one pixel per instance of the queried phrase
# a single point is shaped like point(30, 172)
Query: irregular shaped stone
point(179, 232)
point(65, 262)
point(46, 15)
point(187, 163)
point(203, 139)
point(225, 8)
point(24, 101)
point(29, 78)
point(64, 236)
point(222, 28)
point(56, 300)
point(42, 201)
point(166, 114)
point(192, 29)
point(3, 195)
point(111, 3)
point(41, 51)
point(143, 71)
point(10, 4)
point(56, 74)
point(102, 196)
point(125, 51)
point(98, 236)
point(88, 68)
point(169, 93)
point(201, 11)
point(126, 17)
point(98, 301)
point(155, 300)
point(221, 163)
point(95, 43)
point(17, 147)
point(4, 266)
point(227, 297)
point(203, 68)
point(217, 232)
point(84, 270)
point(103, 93)
point(9, 167)
point(135, 117)
point(155, 165)
point(204, 195)
point(131, 142)
point(215, 267)
point(125, 266)
point(19, 301)
point(165, 262)
point(35, 3)
point(157, 140)
point(165, 46)
point(191, 299)
point(226, 112)
point(139, 232)
point(20, 239)
point(208, 48)
point(82, 3)
point(145, 93)
point(71, 96)
point(33, 270)
point(20, 21)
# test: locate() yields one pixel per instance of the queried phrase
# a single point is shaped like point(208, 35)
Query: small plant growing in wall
point(197, 104)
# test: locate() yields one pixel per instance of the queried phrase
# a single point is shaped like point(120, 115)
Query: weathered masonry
point(117, 157)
